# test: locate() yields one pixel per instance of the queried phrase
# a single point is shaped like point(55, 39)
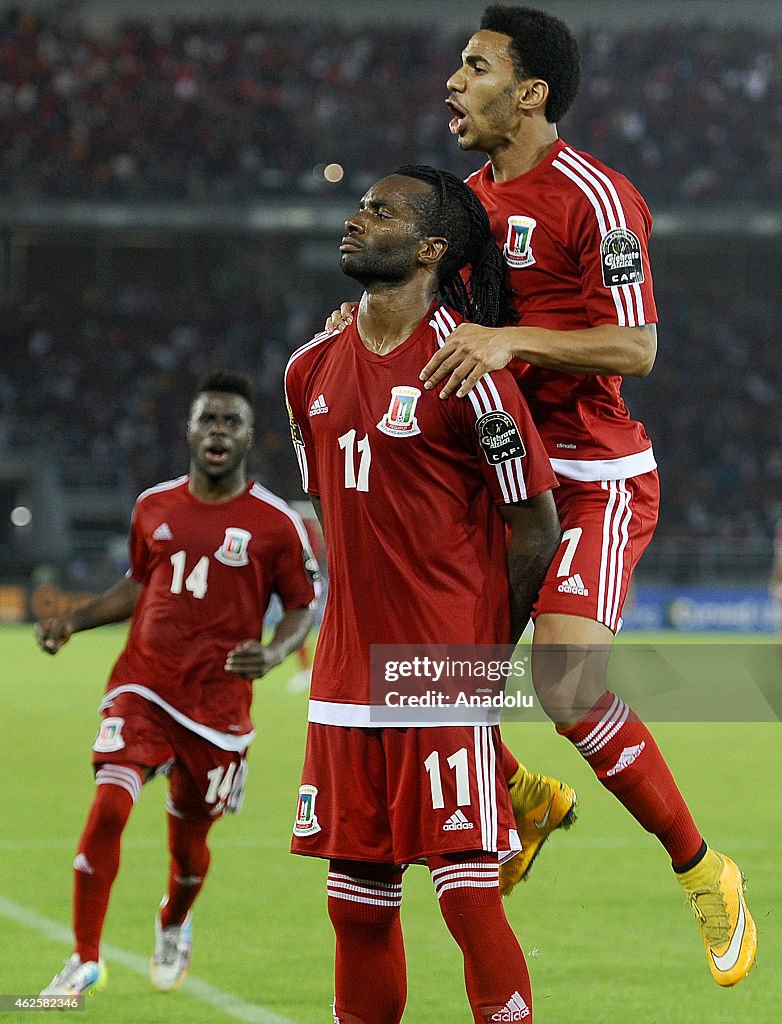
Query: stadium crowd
point(224, 111)
point(103, 379)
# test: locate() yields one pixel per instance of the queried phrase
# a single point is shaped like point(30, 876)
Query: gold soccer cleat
point(729, 933)
point(540, 805)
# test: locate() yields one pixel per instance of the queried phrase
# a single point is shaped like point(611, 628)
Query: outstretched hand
point(340, 318)
point(52, 634)
point(251, 659)
point(469, 353)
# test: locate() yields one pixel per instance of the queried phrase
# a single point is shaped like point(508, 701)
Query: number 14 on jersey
point(196, 582)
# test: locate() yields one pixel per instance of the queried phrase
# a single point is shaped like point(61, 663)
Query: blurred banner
point(700, 609)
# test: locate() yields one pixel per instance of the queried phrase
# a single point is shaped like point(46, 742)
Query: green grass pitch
point(607, 935)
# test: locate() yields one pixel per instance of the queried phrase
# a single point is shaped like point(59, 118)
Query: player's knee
point(117, 789)
point(188, 847)
point(464, 886)
point(365, 902)
point(568, 680)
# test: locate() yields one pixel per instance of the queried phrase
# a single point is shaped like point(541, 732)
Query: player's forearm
point(115, 605)
point(527, 567)
point(291, 631)
point(607, 349)
point(318, 509)
point(535, 537)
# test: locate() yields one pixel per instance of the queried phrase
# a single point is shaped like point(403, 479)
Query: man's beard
point(376, 268)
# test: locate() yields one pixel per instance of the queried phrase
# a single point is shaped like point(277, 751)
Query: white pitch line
point(233, 1006)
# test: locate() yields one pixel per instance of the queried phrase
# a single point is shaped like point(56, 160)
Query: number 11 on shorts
point(456, 762)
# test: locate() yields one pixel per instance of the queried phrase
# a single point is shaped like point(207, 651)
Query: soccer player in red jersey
point(207, 551)
point(414, 495)
point(575, 236)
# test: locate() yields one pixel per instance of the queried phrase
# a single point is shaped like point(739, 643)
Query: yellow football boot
point(540, 805)
point(715, 890)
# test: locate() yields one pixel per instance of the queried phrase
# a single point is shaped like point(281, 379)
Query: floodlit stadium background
point(164, 207)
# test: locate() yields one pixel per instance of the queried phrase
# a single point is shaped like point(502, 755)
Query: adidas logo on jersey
point(626, 758)
point(163, 532)
point(318, 406)
point(456, 822)
point(573, 585)
point(514, 1009)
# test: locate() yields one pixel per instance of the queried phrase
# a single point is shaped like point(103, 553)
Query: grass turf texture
point(603, 923)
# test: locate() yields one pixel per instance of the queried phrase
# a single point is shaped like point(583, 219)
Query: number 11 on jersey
point(348, 445)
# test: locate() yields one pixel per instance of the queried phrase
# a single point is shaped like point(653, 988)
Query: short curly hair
point(541, 46)
point(228, 382)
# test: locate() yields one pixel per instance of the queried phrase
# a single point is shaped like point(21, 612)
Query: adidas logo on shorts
point(456, 822)
point(573, 585)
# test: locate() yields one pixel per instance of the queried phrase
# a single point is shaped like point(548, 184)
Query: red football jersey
point(575, 236)
point(208, 571)
point(408, 483)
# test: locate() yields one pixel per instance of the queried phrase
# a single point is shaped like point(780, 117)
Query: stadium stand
point(210, 112)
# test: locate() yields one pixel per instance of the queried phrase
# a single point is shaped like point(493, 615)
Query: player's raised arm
point(114, 605)
point(472, 350)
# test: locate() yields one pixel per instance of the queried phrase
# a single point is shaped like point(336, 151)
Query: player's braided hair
point(542, 46)
point(452, 210)
point(227, 381)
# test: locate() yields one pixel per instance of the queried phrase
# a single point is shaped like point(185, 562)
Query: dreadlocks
point(453, 211)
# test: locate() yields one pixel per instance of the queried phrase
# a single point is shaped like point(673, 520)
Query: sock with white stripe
point(626, 759)
point(188, 867)
point(370, 975)
point(98, 853)
point(495, 971)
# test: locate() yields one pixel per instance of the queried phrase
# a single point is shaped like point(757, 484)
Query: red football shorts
point(395, 796)
point(204, 780)
point(606, 526)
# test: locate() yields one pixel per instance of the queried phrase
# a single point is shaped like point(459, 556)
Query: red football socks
point(370, 971)
point(623, 754)
point(97, 860)
point(370, 977)
point(495, 972)
point(190, 858)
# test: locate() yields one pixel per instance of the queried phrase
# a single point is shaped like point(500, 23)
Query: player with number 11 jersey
point(416, 551)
